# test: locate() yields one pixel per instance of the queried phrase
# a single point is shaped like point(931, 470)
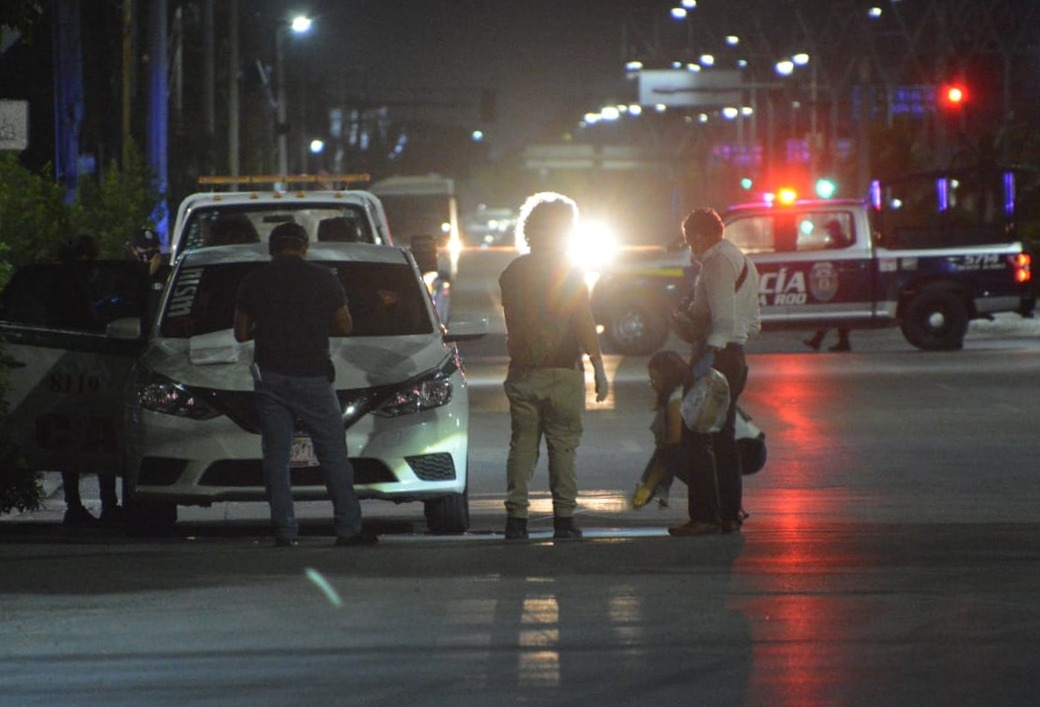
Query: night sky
point(542, 57)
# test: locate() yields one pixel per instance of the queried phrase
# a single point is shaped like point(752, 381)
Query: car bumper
point(190, 462)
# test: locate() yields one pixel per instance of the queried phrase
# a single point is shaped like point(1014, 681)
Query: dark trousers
point(106, 487)
point(715, 484)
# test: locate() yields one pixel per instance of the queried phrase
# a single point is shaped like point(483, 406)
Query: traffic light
point(953, 96)
point(826, 188)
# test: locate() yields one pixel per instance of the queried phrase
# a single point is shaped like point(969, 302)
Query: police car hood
point(217, 361)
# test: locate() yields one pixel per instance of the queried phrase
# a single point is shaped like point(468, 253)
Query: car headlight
point(424, 394)
point(160, 394)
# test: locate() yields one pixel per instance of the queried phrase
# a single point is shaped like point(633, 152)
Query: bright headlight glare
point(422, 395)
point(592, 245)
point(169, 398)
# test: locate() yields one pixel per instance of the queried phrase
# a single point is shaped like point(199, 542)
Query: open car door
point(71, 332)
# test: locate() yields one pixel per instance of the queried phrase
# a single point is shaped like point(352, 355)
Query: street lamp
point(299, 25)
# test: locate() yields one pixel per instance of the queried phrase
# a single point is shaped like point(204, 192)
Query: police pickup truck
point(927, 253)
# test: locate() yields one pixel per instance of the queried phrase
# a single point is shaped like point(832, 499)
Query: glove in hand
point(602, 387)
point(703, 365)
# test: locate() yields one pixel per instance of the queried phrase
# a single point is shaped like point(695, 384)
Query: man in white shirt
point(723, 314)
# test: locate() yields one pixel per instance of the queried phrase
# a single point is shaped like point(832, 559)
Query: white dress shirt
point(725, 313)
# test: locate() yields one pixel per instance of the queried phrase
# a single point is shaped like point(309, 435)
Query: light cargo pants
point(549, 402)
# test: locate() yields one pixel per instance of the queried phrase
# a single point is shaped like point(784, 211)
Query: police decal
point(823, 281)
point(781, 288)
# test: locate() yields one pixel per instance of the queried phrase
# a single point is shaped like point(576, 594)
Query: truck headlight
point(593, 244)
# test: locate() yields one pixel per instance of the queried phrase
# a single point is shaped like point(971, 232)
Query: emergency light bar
point(224, 180)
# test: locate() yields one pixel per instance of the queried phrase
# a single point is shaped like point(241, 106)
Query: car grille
point(249, 472)
point(432, 467)
point(160, 471)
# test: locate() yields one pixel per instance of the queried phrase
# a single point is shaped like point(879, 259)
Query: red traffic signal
point(954, 95)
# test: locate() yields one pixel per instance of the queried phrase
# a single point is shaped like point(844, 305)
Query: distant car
point(175, 405)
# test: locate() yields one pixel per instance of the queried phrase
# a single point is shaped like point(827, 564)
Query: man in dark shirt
point(290, 307)
point(549, 326)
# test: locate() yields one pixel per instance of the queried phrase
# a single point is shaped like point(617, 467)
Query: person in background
point(549, 326)
point(722, 315)
point(74, 311)
point(817, 339)
point(145, 248)
point(667, 371)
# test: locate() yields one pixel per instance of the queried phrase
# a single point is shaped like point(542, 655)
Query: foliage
point(33, 215)
point(118, 204)
point(36, 222)
point(21, 15)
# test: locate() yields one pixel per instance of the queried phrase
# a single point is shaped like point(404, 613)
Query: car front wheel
point(448, 514)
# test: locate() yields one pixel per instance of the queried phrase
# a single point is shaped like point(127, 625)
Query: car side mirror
point(466, 330)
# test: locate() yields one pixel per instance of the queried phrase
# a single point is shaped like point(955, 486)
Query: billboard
point(710, 88)
point(14, 125)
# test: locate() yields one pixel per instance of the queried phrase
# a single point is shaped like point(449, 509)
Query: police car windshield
point(385, 299)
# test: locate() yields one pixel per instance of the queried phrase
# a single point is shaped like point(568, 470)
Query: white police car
point(187, 432)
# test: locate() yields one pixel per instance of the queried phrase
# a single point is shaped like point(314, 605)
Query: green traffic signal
point(826, 188)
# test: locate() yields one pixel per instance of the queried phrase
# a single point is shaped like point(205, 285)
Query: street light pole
point(300, 24)
point(281, 129)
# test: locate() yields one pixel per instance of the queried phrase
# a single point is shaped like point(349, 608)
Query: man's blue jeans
point(280, 400)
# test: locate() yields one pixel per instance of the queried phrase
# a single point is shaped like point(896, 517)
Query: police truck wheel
point(636, 330)
point(448, 514)
point(935, 320)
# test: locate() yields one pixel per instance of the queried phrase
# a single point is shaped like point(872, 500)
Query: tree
point(33, 215)
point(21, 15)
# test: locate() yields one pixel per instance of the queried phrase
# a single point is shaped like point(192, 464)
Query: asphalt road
point(892, 558)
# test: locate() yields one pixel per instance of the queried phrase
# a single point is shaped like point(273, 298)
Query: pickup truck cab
point(927, 253)
point(329, 215)
point(216, 218)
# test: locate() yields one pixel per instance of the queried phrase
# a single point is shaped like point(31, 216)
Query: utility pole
point(233, 85)
point(128, 78)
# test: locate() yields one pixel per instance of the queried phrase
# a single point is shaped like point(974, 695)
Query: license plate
point(302, 452)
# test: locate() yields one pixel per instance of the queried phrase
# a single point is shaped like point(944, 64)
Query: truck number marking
point(64, 383)
point(982, 261)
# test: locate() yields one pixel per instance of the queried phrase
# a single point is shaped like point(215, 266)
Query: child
point(667, 370)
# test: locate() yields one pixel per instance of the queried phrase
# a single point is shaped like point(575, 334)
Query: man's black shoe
point(112, 515)
point(79, 517)
point(286, 542)
point(564, 529)
point(357, 540)
point(516, 529)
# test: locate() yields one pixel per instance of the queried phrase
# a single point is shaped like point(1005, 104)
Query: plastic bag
point(705, 406)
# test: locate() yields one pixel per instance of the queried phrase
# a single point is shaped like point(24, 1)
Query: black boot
point(564, 528)
point(516, 528)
